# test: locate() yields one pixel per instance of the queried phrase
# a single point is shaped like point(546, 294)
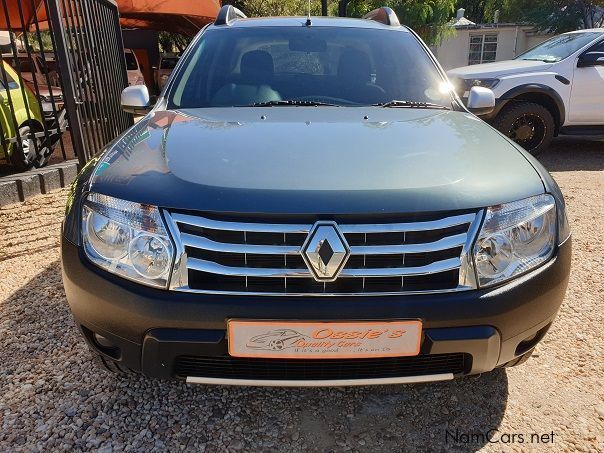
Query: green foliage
point(556, 16)
point(172, 42)
point(259, 8)
point(427, 17)
point(37, 42)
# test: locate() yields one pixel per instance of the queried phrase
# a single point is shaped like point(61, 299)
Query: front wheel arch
point(539, 94)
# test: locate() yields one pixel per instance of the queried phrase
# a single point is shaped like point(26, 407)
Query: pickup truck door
point(587, 93)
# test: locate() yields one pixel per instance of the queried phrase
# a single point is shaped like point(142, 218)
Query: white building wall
point(453, 52)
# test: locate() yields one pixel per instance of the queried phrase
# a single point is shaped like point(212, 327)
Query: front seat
point(354, 75)
point(257, 71)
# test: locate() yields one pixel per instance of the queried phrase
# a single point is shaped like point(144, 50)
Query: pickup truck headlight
point(128, 239)
point(515, 238)
point(486, 83)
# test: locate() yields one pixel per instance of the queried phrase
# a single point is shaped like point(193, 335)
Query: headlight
point(128, 239)
point(486, 83)
point(515, 238)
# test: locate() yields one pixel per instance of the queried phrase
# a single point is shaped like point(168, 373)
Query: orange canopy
point(179, 16)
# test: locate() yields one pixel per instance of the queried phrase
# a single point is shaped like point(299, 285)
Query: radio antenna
point(308, 21)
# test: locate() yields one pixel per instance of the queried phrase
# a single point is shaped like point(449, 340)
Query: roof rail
point(227, 14)
point(384, 15)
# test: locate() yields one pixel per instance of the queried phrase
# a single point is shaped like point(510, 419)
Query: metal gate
point(62, 68)
point(90, 50)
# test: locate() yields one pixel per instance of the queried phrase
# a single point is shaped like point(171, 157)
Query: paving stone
point(68, 173)
point(50, 179)
point(29, 185)
point(9, 192)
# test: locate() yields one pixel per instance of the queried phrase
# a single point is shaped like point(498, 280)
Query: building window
point(483, 49)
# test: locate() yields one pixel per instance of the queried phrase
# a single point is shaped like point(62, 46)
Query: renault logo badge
point(325, 251)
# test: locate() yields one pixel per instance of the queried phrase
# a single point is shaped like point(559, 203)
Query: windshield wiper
point(545, 59)
point(412, 105)
point(291, 103)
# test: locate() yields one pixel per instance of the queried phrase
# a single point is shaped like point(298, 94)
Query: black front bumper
point(174, 334)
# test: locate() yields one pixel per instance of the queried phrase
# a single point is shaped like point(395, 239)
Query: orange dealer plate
point(323, 340)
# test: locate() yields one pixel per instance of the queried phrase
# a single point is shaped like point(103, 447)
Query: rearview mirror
point(136, 100)
point(481, 101)
point(591, 59)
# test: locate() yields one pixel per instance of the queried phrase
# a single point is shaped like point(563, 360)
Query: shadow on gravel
point(574, 153)
point(52, 395)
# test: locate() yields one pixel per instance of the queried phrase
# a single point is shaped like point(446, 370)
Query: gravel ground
point(53, 398)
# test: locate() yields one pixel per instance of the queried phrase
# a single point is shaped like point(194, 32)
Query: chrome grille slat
point(411, 226)
point(439, 266)
point(230, 257)
point(190, 240)
point(450, 242)
point(214, 268)
point(203, 222)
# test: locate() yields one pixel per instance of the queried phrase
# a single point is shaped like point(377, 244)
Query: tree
point(172, 42)
point(555, 16)
point(429, 18)
point(258, 8)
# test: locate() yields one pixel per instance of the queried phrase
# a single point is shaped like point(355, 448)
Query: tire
point(529, 124)
point(519, 360)
point(30, 152)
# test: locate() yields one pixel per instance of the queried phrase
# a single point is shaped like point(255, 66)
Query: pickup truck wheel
point(528, 124)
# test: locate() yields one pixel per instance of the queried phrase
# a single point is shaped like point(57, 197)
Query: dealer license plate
point(323, 340)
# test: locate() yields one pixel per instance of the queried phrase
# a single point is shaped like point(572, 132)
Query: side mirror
point(590, 59)
point(481, 101)
point(136, 100)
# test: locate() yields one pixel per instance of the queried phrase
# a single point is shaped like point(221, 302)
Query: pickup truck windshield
point(307, 66)
point(559, 47)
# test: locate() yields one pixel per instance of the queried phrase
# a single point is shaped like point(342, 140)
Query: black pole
point(342, 4)
point(324, 7)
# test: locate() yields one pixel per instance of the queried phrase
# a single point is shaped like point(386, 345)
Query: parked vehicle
point(554, 88)
point(135, 75)
point(43, 71)
point(314, 180)
point(167, 63)
point(20, 116)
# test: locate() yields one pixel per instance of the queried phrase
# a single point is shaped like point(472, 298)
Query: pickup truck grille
point(258, 257)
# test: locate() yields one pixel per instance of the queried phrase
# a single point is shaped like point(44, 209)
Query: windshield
point(131, 64)
point(312, 65)
point(559, 47)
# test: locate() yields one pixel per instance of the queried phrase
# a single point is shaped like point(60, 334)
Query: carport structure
point(88, 47)
point(178, 16)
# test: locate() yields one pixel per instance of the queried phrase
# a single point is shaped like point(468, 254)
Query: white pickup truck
point(554, 88)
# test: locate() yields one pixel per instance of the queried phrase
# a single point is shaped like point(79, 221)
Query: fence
point(63, 69)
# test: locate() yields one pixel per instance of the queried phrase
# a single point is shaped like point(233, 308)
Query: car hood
point(498, 69)
point(321, 160)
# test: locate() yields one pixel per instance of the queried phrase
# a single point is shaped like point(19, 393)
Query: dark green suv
point(309, 203)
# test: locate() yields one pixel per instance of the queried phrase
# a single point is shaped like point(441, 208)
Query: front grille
point(264, 257)
point(300, 369)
